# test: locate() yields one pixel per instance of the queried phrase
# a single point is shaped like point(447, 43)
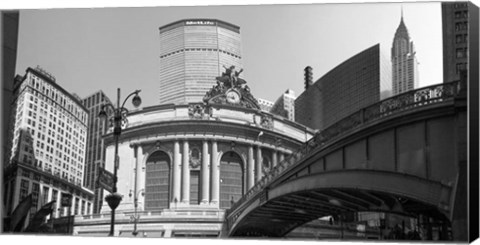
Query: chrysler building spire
point(404, 61)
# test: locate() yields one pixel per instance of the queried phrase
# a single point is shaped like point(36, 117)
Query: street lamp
point(117, 117)
point(136, 216)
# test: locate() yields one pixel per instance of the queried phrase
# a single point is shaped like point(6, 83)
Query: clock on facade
point(233, 96)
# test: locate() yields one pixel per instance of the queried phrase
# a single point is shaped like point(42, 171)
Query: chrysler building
point(404, 61)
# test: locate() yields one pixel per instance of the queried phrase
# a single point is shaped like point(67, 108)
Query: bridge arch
point(401, 155)
point(333, 193)
point(412, 187)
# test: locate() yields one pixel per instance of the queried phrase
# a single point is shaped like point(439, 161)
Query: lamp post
point(117, 117)
point(136, 216)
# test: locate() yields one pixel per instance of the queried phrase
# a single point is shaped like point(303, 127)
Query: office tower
point(455, 31)
point(48, 135)
point(285, 105)
point(265, 105)
point(192, 53)
point(95, 153)
point(404, 61)
point(356, 83)
point(460, 27)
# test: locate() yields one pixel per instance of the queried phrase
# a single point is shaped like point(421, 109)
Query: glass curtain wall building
point(358, 82)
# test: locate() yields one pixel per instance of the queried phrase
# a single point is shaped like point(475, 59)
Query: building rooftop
point(200, 22)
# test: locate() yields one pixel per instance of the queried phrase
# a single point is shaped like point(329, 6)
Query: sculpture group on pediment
point(230, 78)
point(226, 83)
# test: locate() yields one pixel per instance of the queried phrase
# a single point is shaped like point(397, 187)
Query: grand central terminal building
point(182, 166)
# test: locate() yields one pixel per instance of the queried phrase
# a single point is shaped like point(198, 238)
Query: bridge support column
point(176, 172)
point(205, 174)
point(215, 174)
point(185, 174)
point(250, 169)
point(258, 168)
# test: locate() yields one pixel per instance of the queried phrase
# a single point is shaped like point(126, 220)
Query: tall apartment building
point(95, 153)
point(404, 61)
point(285, 105)
point(192, 53)
point(455, 24)
point(48, 139)
point(354, 84)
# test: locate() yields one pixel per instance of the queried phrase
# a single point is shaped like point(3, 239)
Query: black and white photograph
point(334, 121)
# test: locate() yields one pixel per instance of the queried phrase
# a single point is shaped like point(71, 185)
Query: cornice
point(16, 166)
point(211, 130)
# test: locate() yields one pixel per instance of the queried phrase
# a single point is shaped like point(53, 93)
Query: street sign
point(105, 180)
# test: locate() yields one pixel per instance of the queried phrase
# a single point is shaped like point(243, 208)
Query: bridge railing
point(383, 109)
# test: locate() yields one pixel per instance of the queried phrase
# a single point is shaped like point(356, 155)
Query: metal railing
point(407, 101)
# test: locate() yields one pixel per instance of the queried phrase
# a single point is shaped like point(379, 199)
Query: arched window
point(157, 181)
point(231, 179)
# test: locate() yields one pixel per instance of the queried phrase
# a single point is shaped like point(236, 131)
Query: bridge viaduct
point(406, 154)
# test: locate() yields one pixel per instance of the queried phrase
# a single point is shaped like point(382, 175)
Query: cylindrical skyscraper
point(192, 53)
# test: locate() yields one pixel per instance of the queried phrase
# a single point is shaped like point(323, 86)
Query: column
point(215, 174)
point(91, 208)
point(57, 204)
point(72, 207)
point(50, 192)
point(176, 172)
point(80, 206)
point(141, 175)
point(205, 174)
point(250, 169)
point(49, 198)
point(258, 168)
point(274, 158)
point(185, 174)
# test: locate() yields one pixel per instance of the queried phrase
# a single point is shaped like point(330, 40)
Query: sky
point(108, 48)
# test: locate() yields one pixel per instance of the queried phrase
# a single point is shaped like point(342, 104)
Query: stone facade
point(208, 155)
